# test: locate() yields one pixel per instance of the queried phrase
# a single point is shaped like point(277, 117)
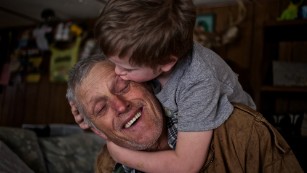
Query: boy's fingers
point(84, 125)
point(71, 103)
point(74, 110)
point(80, 121)
point(78, 118)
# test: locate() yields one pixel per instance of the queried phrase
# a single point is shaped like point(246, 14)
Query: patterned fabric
point(172, 120)
point(172, 131)
point(25, 144)
point(63, 154)
point(8, 157)
point(75, 153)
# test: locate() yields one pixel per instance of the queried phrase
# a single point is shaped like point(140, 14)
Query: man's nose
point(119, 104)
point(120, 71)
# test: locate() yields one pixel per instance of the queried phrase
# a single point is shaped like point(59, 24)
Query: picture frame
point(207, 21)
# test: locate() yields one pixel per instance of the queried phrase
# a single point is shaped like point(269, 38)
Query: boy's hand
point(77, 116)
point(115, 151)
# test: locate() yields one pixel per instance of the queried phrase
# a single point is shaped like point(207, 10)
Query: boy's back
point(201, 89)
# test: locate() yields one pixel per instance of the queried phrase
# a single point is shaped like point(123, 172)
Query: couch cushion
point(75, 153)
point(24, 143)
point(10, 162)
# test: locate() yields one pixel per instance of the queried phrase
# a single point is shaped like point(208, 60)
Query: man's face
point(126, 112)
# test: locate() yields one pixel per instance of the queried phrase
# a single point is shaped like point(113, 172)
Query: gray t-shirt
point(201, 90)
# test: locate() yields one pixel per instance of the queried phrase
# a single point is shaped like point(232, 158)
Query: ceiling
point(28, 12)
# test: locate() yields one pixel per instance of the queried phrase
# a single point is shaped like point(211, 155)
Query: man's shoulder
point(119, 168)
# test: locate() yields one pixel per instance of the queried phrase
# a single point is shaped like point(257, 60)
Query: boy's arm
point(189, 156)
point(77, 116)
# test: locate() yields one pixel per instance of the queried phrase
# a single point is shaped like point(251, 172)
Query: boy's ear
point(99, 133)
point(168, 66)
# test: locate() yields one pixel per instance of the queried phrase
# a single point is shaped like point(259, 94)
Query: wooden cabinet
point(284, 41)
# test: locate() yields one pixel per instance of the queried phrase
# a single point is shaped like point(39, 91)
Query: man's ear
point(99, 133)
point(167, 67)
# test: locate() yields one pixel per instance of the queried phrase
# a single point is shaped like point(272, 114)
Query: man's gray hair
point(76, 76)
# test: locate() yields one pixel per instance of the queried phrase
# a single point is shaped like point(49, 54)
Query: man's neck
point(162, 143)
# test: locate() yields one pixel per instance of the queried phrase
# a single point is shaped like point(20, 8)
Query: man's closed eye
point(99, 109)
point(121, 86)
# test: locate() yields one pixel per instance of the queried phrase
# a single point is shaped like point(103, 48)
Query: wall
point(45, 102)
point(246, 51)
point(35, 102)
point(40, 103)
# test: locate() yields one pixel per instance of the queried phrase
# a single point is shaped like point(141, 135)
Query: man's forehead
point(100, 74)
point(104, 74)
point(105, 71)
point(104, 67)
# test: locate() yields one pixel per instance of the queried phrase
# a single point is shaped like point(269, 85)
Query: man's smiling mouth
point(137, 116)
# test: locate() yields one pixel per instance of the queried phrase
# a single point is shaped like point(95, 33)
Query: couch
point(54, 148)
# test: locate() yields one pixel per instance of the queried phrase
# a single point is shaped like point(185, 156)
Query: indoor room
point(263, 41)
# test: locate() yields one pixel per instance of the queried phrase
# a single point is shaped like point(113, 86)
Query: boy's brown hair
point(148, 31)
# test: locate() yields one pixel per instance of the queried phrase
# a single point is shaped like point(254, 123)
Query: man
point(117, 110)
point(128, 114)
point(120, 111)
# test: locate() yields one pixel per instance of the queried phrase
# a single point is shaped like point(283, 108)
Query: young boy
point(152, 40)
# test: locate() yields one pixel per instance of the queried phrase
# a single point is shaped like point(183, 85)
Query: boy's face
point(134, 73)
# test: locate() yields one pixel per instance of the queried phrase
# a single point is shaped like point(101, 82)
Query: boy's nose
point(120, 71)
